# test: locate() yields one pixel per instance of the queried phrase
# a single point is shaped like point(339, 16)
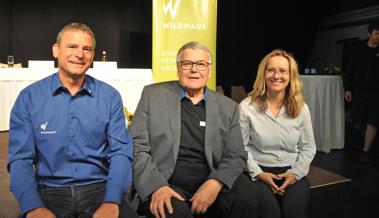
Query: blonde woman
point(277, 133)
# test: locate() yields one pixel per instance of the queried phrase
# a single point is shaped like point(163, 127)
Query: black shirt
point(191, 169)
point(362, 68)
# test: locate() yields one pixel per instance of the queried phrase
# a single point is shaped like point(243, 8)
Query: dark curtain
point(247, 31)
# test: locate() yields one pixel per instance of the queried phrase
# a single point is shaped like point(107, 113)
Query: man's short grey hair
point(76, 27)
point(196, 46)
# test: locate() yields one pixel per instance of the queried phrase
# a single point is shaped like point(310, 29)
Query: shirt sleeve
point(22, 157)
point(307, 147)
point(120, 154)
point(252, 165)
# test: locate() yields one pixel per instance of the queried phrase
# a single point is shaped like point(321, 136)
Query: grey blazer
point(156, 137)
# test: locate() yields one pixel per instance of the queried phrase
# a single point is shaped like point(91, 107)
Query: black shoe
point(364, 157)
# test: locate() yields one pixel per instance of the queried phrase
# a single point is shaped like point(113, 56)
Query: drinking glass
point(10, 60)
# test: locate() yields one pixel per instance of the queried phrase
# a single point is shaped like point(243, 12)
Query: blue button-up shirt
point(182, 93)
point(60, 140)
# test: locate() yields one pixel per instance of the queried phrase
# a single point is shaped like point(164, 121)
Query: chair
point(219, 89)
point(238, 93)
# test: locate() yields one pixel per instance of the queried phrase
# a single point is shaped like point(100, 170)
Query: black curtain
point(248, 30)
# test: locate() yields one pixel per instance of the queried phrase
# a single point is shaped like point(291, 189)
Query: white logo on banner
point(168, 7)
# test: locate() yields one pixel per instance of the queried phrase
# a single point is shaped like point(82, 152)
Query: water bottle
point(104, 56)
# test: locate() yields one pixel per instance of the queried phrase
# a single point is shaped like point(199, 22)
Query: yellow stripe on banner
point(176, 22)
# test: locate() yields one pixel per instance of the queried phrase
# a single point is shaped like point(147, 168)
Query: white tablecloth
point(129, 82)
point(324, 96)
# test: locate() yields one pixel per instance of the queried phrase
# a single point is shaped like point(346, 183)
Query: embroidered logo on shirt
point(44, 127)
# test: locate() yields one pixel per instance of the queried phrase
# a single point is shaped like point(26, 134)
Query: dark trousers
point(243, 200)
point(364, 109)
point(293, 203)
point(79, 202)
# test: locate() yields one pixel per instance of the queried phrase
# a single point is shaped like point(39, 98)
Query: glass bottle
point(104, 56)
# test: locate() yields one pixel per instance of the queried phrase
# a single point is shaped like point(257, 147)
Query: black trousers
point(79, 202)
point(293, 204)
point(242, 201)
point(364, 109)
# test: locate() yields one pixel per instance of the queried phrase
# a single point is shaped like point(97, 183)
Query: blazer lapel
point(211, 108)
point(174, 112)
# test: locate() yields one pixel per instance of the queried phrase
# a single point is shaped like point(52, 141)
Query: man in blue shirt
point(70, 154)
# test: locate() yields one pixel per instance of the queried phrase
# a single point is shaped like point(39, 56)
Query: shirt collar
point(57, 87)
point(182, 94)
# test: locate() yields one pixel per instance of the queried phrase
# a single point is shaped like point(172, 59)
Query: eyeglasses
point(271, 71)
point(200, 65)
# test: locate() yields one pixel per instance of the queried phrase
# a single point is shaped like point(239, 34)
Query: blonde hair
point(293, 100)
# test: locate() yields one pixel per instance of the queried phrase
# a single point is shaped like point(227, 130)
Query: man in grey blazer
point(189, 156)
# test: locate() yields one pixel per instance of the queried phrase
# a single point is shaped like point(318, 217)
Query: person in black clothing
point(361, 79)
point(188, 148)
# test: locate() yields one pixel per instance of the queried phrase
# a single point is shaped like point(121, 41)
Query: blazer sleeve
point(147, 177)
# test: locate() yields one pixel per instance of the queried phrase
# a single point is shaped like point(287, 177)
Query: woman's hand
point(289, 179)
point(268, 179)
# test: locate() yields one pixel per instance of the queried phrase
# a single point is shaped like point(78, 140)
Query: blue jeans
point(79, 201)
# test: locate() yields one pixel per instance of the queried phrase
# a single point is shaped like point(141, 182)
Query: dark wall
point(246, 30)
point(4, 30)
point(33, 27)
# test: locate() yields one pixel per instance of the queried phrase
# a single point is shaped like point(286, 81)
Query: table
point(128, 82)
point(325, 98)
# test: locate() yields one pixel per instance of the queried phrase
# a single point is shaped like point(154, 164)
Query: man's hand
point(348, 96)
point(205, 195)
point(40, 212)
point(268, 179)
point(162, 197)
point(107, 210)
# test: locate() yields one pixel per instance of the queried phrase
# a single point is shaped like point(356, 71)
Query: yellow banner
point(176, 22)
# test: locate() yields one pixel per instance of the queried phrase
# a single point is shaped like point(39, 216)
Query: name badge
point(202, 123)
